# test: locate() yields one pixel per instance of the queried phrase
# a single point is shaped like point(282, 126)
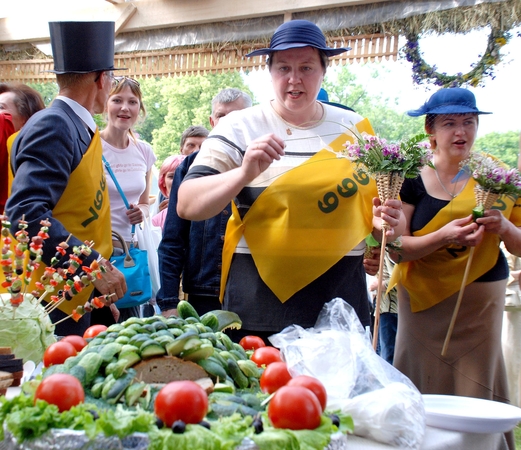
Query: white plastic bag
point(148, 237)
point(384, 404)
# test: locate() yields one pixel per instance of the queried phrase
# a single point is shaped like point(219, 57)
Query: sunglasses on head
point(118, 80)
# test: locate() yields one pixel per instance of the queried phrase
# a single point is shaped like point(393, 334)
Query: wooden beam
point(152, 14)
point(125, 16)
point(115, 2)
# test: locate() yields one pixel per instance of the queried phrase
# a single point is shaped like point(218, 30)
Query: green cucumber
point(134, 392)
point(210, 320)
point(202, 351)
point(91, 362)
point(478, 212)
point(213, 368)
point(131, 358)
point(185, 310)
point(239, 378)
point(118, 388)
point(109, 351)
point(177, 346)
point(151, 348)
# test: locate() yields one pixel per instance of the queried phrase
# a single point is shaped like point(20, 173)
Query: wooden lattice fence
point(206, 59)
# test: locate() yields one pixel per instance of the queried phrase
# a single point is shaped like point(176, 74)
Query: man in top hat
point(57, 159)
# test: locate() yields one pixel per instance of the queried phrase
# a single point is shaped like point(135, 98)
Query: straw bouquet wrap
point(493, 180)
point(389, 164)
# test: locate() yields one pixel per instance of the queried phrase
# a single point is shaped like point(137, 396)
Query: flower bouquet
point(389, 164)
point(493, 179)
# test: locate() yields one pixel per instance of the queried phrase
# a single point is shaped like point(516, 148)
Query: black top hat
point(298, 33)
point(82, 47)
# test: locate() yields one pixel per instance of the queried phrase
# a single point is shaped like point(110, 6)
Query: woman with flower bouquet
point(441, 234)
point(300, 214)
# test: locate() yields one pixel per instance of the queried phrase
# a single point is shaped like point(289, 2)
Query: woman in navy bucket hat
point(435, 249)
point(283, 257)
point(298, 33)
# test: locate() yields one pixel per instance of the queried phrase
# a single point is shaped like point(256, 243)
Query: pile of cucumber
point(105, 366)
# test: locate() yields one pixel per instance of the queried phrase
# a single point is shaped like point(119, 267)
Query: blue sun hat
point(295, 34)
point(449, 101)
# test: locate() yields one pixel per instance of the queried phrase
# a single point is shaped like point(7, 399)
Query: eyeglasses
point(118, 80)
point(109, 73)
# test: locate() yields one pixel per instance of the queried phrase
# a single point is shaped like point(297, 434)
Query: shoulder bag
point(133, 263)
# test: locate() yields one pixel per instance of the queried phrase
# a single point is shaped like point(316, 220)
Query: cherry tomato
point(77, 341)
point(313, 384)
point(57, 353)
point(266, 355)
point(93, 331)
point(251, 342)
point(181, 400)
point(62, 390)
point(294, 407)
point(274, 377)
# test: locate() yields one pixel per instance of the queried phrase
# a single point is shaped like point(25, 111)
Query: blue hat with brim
point(296, 34)
point(449, 101)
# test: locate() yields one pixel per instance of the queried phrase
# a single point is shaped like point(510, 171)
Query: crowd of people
point(257, 217)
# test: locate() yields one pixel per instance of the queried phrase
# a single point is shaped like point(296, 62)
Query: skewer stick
point(458, 303)
point(379, 288)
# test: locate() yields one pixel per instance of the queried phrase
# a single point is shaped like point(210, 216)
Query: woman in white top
point(131, 161)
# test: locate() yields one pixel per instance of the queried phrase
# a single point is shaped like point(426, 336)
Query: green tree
point(343, 87)
point(48, 91)
point(504, 146)
point(176, 103)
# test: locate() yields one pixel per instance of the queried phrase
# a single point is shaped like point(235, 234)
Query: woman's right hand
point(260, 154)
point(464, 232)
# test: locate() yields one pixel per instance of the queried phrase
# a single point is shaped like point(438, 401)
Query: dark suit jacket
point(49, 147)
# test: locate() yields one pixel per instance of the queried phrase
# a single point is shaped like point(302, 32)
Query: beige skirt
point(473, 365)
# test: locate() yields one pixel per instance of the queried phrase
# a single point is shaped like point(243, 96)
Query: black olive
point(179, 427)
point(205, 424)
point(335, 419)
point(257, 425)
point(94, 414)
point(159, 423)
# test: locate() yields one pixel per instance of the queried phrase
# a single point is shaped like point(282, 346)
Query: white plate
point(471, 415)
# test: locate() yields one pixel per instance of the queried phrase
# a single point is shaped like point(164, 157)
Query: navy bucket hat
point(449, 101)
point(295, 34)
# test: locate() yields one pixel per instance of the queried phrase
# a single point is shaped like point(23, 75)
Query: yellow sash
point(84, 211)
point(10, 175)
point(435, 277)
point(305, 221)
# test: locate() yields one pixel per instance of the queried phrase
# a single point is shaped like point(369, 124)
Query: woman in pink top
point(166, 176)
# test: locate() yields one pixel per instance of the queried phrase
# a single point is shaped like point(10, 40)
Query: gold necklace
point(452, 195)
point(312, 122)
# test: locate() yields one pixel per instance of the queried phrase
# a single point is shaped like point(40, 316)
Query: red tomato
point(266, 355)
point(62, 390)
point(93, 331)
point(294, 407)
point(57, 353)
point(274, 377)
point(314, 385)
point(77, 341)
point(181, 400)
point(251, 342)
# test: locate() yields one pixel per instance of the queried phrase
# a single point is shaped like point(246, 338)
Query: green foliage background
point(173, 104)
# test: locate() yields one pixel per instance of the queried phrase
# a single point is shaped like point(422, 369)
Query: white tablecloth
point(438, 439)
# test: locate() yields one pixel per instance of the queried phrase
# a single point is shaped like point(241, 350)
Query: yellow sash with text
point(305, 221)
point(435, 277)
point(84, 211)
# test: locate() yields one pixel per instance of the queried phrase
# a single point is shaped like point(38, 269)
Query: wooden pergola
point(346, 23)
